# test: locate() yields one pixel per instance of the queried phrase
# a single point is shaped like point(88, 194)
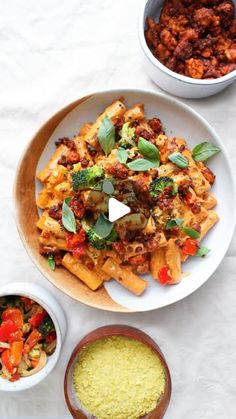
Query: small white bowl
point(168, 80)
point(47, 301)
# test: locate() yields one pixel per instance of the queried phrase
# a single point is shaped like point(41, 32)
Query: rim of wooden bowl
point(117, 330)
point(26, 216)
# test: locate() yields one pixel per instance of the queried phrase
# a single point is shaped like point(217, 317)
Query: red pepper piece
point(6, 328)
point(190, 247)
point(6, 360)
point(72, 240)
point(34, 337)
point(14, 314)
point(15, 336)
point(79, 250)
point(37, 318)
point(164, 275)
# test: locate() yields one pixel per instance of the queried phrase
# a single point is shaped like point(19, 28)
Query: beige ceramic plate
point(179, 120)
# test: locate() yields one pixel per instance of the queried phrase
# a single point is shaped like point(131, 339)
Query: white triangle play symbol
point(117, 209)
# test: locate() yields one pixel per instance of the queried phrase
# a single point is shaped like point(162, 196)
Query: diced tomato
point(6, 328)
point(6, 360)
point(72, 240)
point(37, 318)
point(164, 275)
point(187, 197)
point(34, 337)
point(16, 353)
point(79, 250)
point(137, 260)
point(14, 314)
point(15, 336)
point(190, 247)
point(51, 337)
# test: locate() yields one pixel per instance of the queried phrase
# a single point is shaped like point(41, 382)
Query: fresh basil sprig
point(202, 251)
point(178, 159)
point(103, 226)
point(204, 151)
point(191, 232)
point(51, 262)
point(148, 150)
point(174, 222)
point(106, 135)
point(140, 165)
point(107, 187)
point(122, 155)
point(68, 218)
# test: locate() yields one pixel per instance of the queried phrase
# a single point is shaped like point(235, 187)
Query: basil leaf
point(106, 135)
point(174, 222)
point(142, 164)
point(148, 149)
point(68, 218)
point(51, 262)
point(107, 187)
point(202, 251)
point(204, 151)
point(191, 232)
point(103, 226)
point(178, 159)
point(122, 155)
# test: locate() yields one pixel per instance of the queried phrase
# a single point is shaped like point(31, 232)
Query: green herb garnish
point(103, 227)
point(68, 218)
point(174, 222)
point(178, 159)
point(51, 262)
point(202, 251)
point(148, 150)
point(122, 155)
point(204, 151)
point(191, 232)
point(140, 165)
point(108, 187)
point(106, 135)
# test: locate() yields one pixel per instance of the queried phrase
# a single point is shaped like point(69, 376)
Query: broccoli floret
point(158, 185)
point(87, 178)
point(46, 326)
point(127, 135)
point(95, 240)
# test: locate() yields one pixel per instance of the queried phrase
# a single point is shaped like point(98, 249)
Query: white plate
point(178, 120)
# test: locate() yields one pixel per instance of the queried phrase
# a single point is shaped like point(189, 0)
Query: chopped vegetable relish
point(27, 337)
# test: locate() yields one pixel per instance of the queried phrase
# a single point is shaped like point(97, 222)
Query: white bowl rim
point(34, 379)
point(164, 69)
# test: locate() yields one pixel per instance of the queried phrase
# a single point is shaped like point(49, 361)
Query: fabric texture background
point(51, 53)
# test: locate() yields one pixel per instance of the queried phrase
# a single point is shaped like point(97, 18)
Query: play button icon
point(116, 209)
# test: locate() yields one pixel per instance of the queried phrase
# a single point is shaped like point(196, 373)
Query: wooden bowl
point(106, 331)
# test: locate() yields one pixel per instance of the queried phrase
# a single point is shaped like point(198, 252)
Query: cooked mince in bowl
point(195, 38)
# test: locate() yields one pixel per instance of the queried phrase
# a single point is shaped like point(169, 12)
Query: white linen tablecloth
point(51, 53)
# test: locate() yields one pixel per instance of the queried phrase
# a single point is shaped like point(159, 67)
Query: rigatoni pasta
point(126, 156)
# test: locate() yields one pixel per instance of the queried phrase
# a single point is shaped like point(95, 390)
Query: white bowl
point(168, 80)
point(181, 121)
point(47, 301)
